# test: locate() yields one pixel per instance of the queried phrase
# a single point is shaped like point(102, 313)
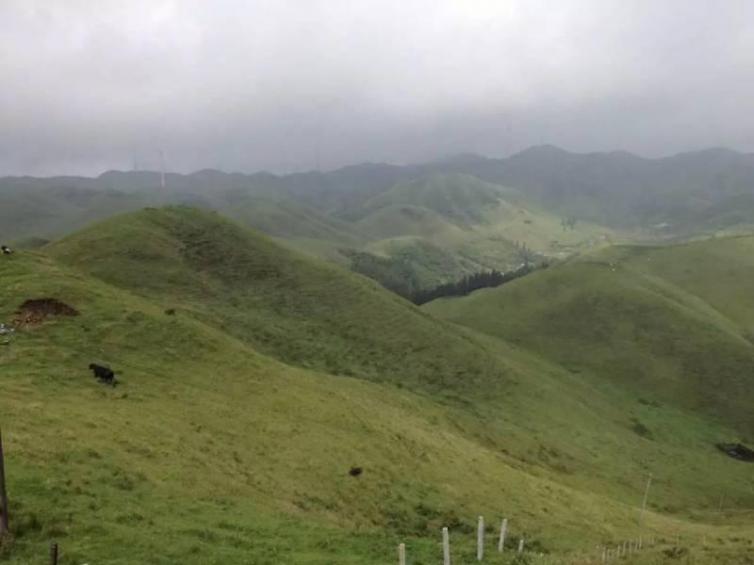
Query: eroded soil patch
point(35, 311)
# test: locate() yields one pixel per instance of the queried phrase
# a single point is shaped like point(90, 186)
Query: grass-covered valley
point(252, 379)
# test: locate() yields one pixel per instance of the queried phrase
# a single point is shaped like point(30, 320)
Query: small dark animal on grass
point(6, 250)
point(737, 451)
point(355, 471)
point(103, 374)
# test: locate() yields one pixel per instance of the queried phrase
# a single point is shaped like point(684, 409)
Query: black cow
point(103, 374)
point(6, 250)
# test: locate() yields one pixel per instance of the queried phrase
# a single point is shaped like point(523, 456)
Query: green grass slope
point(51, 207)
point(461, 199)
point(667, 322)
point(477, 225)
point(219, 446)
point(300, 310)
point(207, 452)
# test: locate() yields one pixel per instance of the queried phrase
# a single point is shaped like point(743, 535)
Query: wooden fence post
point(503, 531)
point(445, 547)
point(4, 528)
point(402, 554)
point(646, 497)
point(54, 554)
point(480, 539)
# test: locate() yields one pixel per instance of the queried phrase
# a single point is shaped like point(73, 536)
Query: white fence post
point(521, 545)
point(503, 531)
point(402, 554)
point(480, 539)
point(644, 501)
point(445, 547)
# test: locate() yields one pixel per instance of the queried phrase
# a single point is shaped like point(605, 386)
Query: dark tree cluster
point(394, 275)
point(470, 283)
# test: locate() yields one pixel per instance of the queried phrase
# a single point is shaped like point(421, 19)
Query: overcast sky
point(287, 85)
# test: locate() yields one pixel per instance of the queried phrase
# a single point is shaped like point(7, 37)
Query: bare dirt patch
point(35, 311)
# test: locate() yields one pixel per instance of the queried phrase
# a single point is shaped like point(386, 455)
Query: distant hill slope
point(474, 209)
point(460, 199)
point(673, 323)
point(690, 192)
point(300, 310)
point(475, 224)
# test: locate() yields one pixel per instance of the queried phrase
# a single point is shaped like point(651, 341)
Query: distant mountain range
point(434, 221)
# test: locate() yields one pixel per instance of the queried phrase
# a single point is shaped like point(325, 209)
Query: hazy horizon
point(438, 159)
point(287, 86)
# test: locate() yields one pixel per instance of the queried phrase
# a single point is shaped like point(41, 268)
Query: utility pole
point(162, 169)
point(4, 529)
point(646, 496)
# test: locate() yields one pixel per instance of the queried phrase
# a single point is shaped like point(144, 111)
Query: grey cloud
point(287, 85)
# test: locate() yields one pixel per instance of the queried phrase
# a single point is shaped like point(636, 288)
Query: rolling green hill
point(300, 310)
point(230, 436)
point(673, 321)
point(475, 224)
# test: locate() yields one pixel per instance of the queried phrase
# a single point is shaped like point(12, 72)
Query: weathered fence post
point(4, 528)
point(445, 547)
point(402, 554)
point(503, 531)
point(54, 553)
point(604, 554)
point(521, 545)
point(480, 539)
point(646, 496)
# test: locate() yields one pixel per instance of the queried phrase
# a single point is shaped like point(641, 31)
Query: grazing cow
point(355, 471)
point(103, 374)
point(6, 250)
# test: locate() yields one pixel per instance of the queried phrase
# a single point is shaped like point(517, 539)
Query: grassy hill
point(298, 309)
point(367, 209)
point(475, 225)
point(207, 452)
point(672, 321)
point(230, 437)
